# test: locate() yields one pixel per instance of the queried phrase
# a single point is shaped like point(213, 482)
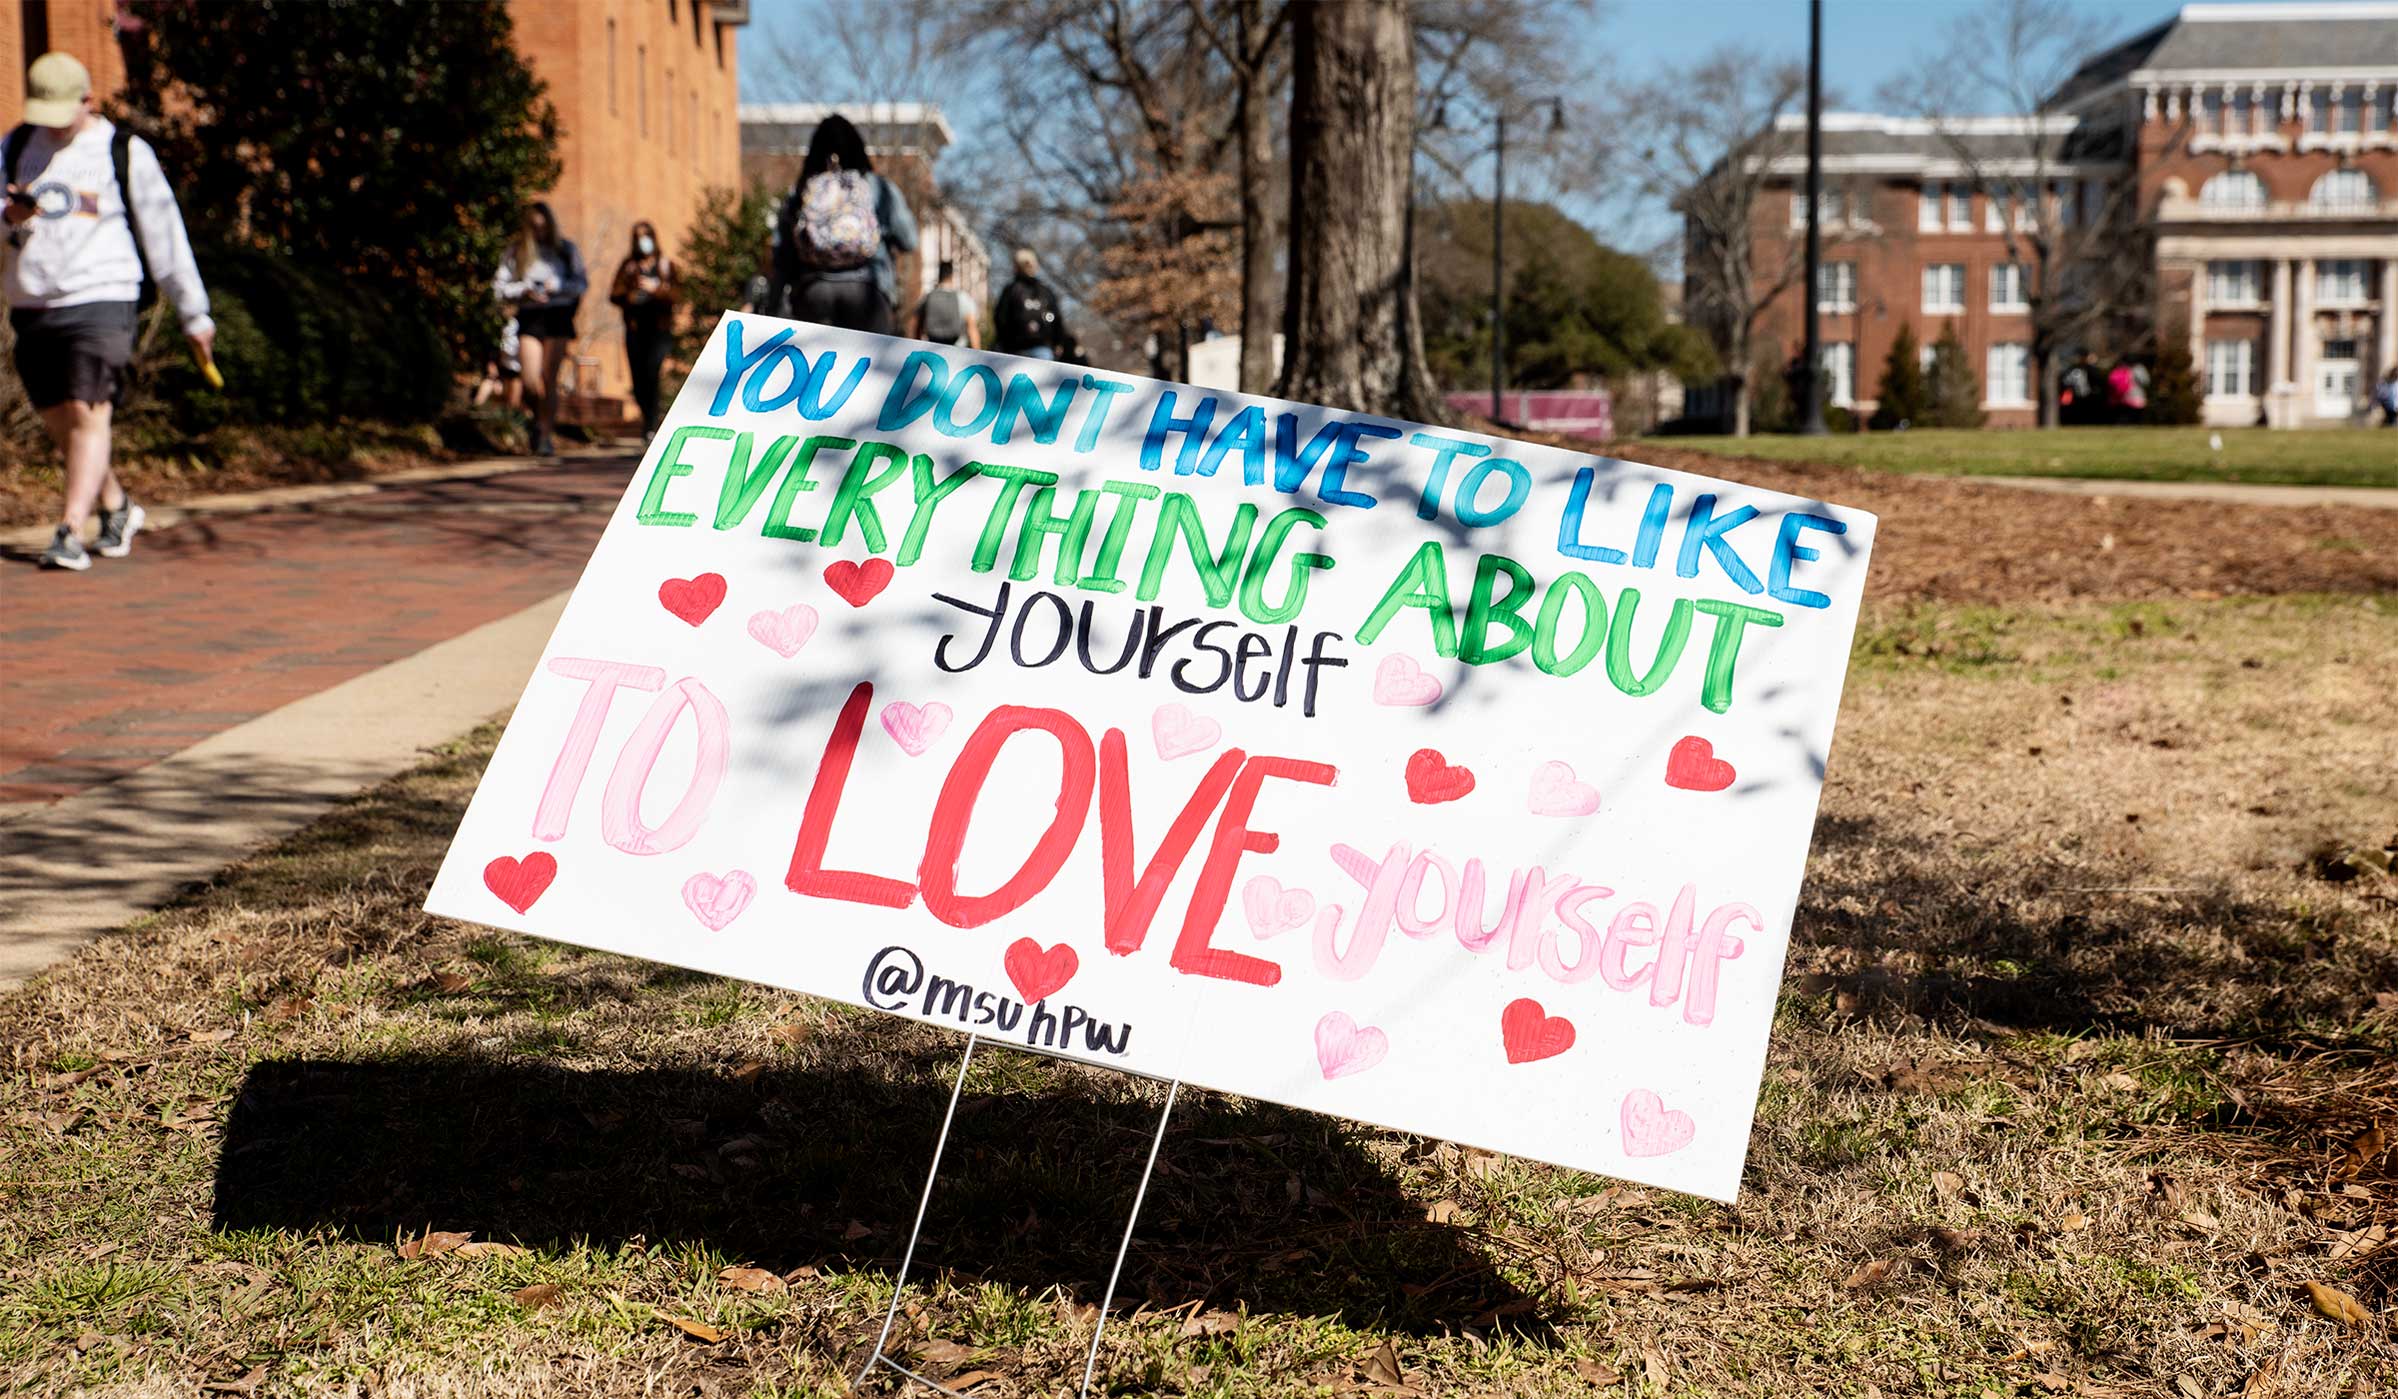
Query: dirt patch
point(1961, 541)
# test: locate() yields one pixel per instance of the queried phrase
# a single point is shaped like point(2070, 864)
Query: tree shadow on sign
point(1254, 1205)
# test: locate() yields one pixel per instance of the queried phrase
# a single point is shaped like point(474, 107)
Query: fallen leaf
point(432, 1244)
point(485, 1249)
point(1652, 1362)
point(800, 1273)
point(1443, 1211)
point(1211, 1324)
point(1871, 1275)
point(2189, 1386)
point(2030, 1349)
point(971, 1378)
point(289, 1008)
point(750, 1280)
point(748, 1072)
point(2362, 1152)
point(856, 1231)
point(2122, 1082)
point(945, 1353)
point(696, 1330)
point(2197, 1217)
point(69, 1080)
point(2071, 1221)
point(2338, 1305)
point(534, 1298)
point(451, 983)
point(1592, 1372)
point(1483, 1165)
point(1947, 1184)
point(795, 1032)
point(89, 1340)
point(211, 1036)
point(2358, 1242)
point(1955, 1240)
point(244, 1385)
point(2053, 1382)
point(1382, 1367)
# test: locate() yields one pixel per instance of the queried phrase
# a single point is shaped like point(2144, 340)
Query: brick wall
point(31, 28)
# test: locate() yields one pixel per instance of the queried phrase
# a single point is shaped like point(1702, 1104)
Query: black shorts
point(545, 322)
point(74, 352)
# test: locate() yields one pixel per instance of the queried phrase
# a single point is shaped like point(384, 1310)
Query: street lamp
point(1811, 422)
point(1498, 228)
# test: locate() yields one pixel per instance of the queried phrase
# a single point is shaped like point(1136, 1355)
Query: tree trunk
point(1352, 336)
point(1257, 164)
point(1738, 353)
point(2045, 391)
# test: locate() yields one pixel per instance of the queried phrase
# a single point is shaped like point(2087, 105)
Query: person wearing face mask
point(646, 292)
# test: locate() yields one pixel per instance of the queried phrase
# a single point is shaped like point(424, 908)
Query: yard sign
point(1434, 780)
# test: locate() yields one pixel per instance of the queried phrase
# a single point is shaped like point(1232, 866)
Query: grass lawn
point(2331, 457)
point(2092, 1008)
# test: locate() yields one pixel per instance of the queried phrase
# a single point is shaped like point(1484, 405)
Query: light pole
point(1498, 233)
point(1811, 372)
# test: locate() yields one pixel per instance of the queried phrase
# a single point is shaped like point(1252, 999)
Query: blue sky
point(1866, 44)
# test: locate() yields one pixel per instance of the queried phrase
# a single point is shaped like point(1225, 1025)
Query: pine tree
point(1904, 397)
point(1954, 389)
point(2174, 395)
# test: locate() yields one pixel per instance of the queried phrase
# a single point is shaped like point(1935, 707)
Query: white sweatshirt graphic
point(78, 249)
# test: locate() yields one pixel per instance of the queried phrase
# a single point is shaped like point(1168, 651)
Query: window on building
point(1960, 209)
point(1836, 287)
point(641, 84)
point(2233, 189)
point(1836, 204)
point(1927, 207)
point(668, 113)
point(2233, 283)
point(2344, 189)
point(2231, 368)
point(2208, 113)
point(1944, 288)
point(2009, 378)
point(1925, 355)
point(2006, 288)
point(1990, 214)
point(611, 67)
point(1840, 372)
point(2094, 202)
point(2340, 281)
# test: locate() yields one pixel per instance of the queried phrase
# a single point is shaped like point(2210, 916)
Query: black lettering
point(1132, 640)
point(997, 610)
point(1065, 629)
point(1252, 647)
point(1199, 642)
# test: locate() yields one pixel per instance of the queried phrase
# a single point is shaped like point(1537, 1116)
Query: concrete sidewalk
point(253, 663)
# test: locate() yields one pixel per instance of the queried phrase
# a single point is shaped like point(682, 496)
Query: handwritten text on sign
point(1434, 780)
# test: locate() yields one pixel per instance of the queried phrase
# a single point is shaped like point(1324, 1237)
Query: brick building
point(905, 140)
point(648, 98)
point(649, 101)
point(2251, 151)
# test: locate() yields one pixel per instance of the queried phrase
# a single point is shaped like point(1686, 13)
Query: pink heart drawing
point(914, 728)
point(1343, 1047)
point(1400, 681)
point(1653, 1129)
point(1274, 910)
point(717, 901)
point(1556, 793)
point(786, 631)
point(1179, 732)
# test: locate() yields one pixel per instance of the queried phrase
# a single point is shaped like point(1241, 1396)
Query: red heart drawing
point(1694, 767)
point(1038, 973)
point(1532, 1033)
point(857, 583)
point(1432, 778)
point(520, 882)
point(692, 599)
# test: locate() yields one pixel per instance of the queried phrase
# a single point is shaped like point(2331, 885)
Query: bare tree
point(1708, 138)
point(1352, 334)
point(2074, 226)
point(1250, 51)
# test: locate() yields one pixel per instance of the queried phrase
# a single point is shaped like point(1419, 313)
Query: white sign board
point(1443, 782)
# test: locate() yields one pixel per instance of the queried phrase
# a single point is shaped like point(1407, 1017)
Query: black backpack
point(1029, 319)
point(120, 160)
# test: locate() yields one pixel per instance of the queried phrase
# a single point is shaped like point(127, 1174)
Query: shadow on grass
point(1253, 1205)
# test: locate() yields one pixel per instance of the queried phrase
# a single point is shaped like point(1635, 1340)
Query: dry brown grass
point(2059, 1101)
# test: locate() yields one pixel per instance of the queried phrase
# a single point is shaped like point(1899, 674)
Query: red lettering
point(808, 874)
point(1192, 953)
point(1130, 907)
point(951, 813)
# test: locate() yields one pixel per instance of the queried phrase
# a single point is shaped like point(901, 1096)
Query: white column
point(2277, 348)
point(2302, 348)
point(2389, 317)
point(2198, 315)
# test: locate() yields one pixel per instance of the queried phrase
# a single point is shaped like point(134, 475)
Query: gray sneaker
point(117, 528)
point(66, 551)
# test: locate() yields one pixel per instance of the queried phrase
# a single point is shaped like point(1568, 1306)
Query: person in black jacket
point(1027, 312)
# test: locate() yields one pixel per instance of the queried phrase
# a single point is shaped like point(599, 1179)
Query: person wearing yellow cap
point(90, 221)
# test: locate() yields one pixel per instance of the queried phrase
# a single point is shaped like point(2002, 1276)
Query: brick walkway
point(224, 618)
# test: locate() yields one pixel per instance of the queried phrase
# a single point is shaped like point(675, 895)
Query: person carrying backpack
point(1027, 312)
point(836, 234)
point(945, 316)
point(91, 222)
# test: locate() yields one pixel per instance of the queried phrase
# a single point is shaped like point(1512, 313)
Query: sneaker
point(117, 528)
point(66, 551)
point(542, 446)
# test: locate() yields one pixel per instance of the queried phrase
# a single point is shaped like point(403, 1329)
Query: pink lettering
point(582, 736)
point(620, 803)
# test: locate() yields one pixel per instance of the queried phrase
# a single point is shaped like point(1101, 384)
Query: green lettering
point(855, 498)
point(1669, 646)
point(1012, 480)
point(1552, 610)
point(929, 496)
point(1261, 562)
point(742, 486)
point(1484, 607)
point(1731, 620)
point(1423, 583)
point(1042, 523)
point(1102, 577)
point(1178, 514)
point(653, 509)
point(778, 515)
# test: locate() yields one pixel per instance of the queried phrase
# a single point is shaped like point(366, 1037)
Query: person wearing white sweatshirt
point(73, 278)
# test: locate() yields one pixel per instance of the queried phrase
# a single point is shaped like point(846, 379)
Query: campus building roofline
point(924, 115)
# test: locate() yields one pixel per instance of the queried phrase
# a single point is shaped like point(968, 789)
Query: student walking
point(542, 276)
point(1026, 313)
point(945, 316)
point(91, 222)
point(2385, 397)
point(646, 291)
point(836, 234)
